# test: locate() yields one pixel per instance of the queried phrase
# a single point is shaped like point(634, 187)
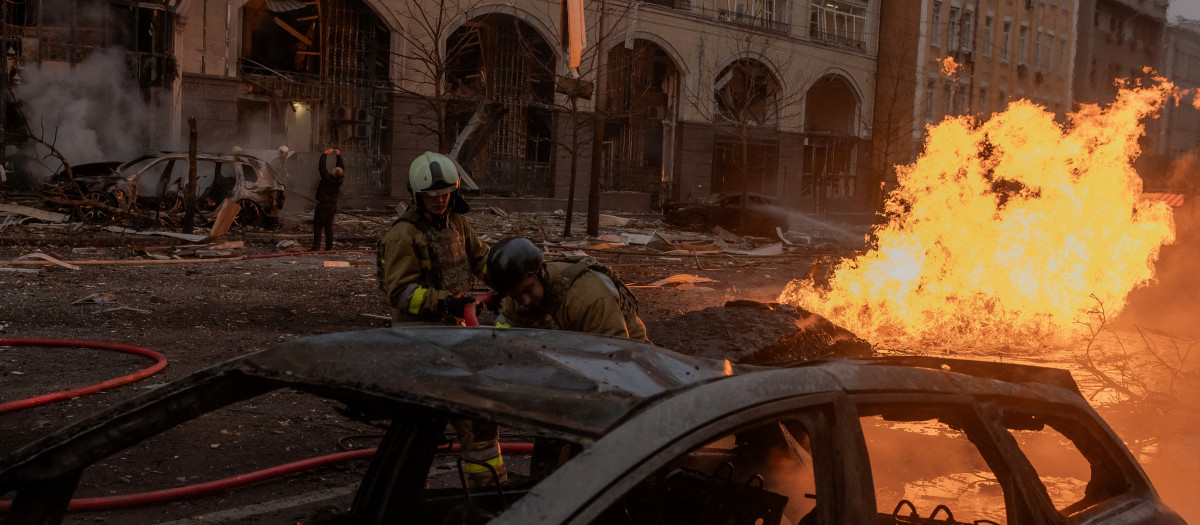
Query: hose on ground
point(160, 363)
point(198, 489)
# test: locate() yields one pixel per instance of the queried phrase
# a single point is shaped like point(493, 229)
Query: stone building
point(769, 96)
point(1000, 51)
point(1182, 66)
point(1121, 39)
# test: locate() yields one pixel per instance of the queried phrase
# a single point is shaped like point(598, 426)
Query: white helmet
point(432, 174)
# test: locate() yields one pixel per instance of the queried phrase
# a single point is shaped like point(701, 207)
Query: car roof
point(553, 383)
point(573, 384)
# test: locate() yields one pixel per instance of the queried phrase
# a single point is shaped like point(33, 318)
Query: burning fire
point(949, 66)
point(1007, 229)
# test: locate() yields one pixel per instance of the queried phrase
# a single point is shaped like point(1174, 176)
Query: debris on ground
point(780, 333)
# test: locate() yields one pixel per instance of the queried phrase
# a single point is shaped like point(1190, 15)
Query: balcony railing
point(837, 39)
point(752, 20)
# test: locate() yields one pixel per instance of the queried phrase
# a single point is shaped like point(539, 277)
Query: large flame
point(1006, 230)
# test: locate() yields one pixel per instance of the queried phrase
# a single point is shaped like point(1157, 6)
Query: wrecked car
point(657, 437)
point(763, 214)
point(158, 182)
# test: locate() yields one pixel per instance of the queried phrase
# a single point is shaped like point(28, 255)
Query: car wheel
point(695, 221)
point(94, 213)
point(250, 214)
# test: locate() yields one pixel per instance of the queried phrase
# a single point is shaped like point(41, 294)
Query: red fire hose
point(165, 495)
point(160, 363)
point(158, 496)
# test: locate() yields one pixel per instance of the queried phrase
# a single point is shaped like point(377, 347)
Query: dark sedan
point(763, 214)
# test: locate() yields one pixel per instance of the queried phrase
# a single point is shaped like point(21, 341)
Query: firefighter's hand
point(457, 304)
point(491, 302)
point(337, 152)
point(328, 151)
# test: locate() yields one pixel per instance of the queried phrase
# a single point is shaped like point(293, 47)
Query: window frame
point(831, 440)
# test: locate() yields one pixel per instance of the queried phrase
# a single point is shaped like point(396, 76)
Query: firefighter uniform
point(424, 262)
point(579, 298)
point(421, 263)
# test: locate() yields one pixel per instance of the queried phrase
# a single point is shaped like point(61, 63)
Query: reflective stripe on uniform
point(426, 264)
point(473, 468)
point(502, 322)
point(416, 295)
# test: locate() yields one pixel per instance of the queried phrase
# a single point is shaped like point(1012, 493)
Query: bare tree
point(747, 95)
point(427, 55)
point(894, 120)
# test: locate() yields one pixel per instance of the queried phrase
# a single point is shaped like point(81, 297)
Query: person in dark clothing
point(327, 195)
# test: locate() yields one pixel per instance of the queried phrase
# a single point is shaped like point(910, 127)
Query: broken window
point(925, 463)
point(758, 13)
point(500, 59)
point(281, 36)
point(753, 172)
point(839, 22)
point(1075, 469)
point(638, 101)
point(746, 94)
point(768, 472)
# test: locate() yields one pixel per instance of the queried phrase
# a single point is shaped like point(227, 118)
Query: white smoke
point(92, 113)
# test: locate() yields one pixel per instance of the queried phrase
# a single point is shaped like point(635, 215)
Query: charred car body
point(159, 181)
point(763, 213)
point(659, 437)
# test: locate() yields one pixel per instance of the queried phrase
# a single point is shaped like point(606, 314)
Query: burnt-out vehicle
point(763, 213)
point(158, 182)
point(656, 437)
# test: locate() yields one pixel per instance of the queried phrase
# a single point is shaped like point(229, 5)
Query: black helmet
point(510, 262)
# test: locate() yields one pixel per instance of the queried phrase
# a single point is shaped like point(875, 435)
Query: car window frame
point(1024, 506)
point(826, 439)
point(1139, 491)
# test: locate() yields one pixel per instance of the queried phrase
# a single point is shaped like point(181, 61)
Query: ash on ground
point(751, 332)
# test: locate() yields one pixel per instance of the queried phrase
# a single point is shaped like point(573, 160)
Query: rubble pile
point(751, 332)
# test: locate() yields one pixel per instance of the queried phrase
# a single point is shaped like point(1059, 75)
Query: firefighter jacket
point(423, 260)
point(579, 296)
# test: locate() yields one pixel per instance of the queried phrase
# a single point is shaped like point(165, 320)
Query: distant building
point(1182, 66)
point(1120, 39)
point(1005, 50)
point(363, 74)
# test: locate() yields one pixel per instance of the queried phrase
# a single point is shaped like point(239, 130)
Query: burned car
point(763, 214)
point(158, 182)
point(657, 437)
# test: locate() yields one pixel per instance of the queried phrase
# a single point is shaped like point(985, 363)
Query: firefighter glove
point(457, 304)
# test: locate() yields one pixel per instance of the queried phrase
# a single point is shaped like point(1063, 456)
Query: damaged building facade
point(133, 71)
point(696, 98)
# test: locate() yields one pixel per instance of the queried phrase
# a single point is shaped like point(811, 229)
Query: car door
point(769, 463)
point(933, 458)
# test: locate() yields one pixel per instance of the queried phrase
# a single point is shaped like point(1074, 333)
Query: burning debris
point(1007, 229)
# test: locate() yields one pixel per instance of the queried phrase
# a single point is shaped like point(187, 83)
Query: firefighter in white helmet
point(427, 262)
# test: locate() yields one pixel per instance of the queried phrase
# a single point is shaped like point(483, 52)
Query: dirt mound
point(756, 333)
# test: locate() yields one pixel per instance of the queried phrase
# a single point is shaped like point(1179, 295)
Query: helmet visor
point(439, 191)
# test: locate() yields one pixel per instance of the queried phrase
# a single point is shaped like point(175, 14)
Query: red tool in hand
point(471, 309)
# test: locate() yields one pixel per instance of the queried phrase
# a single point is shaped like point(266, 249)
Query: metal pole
point(593, 218)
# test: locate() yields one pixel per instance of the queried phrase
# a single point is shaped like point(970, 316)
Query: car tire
point(249, 214)
point(696, 222)
point(94, 214)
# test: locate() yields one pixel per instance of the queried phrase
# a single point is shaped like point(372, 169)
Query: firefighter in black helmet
point(426, 265)
point(579, 295)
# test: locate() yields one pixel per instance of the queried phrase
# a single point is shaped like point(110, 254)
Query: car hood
point(578, 384)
